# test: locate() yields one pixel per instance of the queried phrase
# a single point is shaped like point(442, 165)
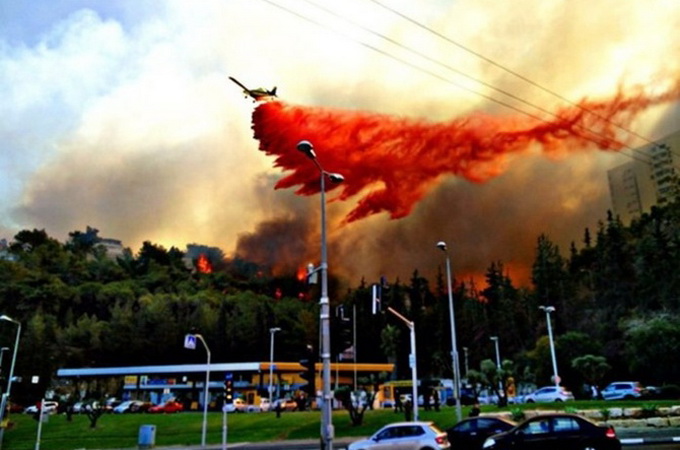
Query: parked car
point(265, 404)
point(49, 405)
point(406, 436)
point(14, 407)
point(470, 434)
point(132, 406)
point(623, 390)
point(238, 405)
point(286, 404)
point(560, 431)
point(168, 407)
point(549, 394)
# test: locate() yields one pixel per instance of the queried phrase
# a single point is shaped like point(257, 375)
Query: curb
point(661, 440)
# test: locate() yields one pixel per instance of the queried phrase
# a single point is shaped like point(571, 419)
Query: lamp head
point(275, 329)
point(441, 245)
point(335, 177)
point(7, 318)
point(307, 148)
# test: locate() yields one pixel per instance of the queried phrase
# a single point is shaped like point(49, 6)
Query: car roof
point(424, 423)
point(500, 419)
point(559, 414)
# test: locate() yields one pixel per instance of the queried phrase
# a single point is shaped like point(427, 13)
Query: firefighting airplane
point(257, 94)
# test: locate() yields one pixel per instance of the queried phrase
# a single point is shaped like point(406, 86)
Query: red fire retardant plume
point(392, 162)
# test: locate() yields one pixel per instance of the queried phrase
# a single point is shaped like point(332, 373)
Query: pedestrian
point(408, 409)
point(474, 411)
point(398, 406)
point(435, 399)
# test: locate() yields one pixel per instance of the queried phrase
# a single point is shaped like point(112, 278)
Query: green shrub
point(649, 410)
point(606, 414)
point(517, 414)
point(570, 410)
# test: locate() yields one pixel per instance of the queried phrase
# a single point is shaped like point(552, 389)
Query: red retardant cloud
point(392, 162)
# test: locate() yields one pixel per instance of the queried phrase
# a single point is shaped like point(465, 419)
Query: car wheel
point(558, 400)
point(531, 400)
point(427, 448)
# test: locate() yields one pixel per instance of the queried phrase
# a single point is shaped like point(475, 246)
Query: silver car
point(623, 390)
point(405, 436)
point(549, 394)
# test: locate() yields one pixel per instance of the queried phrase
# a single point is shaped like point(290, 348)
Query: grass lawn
point(122, 430)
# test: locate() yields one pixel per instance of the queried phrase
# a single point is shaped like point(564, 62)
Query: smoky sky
point(123, 118)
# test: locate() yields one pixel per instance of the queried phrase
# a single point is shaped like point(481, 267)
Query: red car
point(168, 407)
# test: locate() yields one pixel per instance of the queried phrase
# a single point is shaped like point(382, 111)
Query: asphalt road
point(632, 439)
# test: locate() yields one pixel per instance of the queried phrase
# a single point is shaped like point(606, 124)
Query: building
point(651, 179)
point(186, 381)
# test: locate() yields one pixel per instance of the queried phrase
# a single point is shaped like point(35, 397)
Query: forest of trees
point(615, 294)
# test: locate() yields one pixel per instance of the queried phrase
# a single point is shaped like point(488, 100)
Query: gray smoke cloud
point(123, 119)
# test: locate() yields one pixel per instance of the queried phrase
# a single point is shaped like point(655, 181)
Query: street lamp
point(498, 365)
point(190, 343)
point(327, 431)
point(454, 348)
point(272, 331)
point(5, 396)
point(548, 310)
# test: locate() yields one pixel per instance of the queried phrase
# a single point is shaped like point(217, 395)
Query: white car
point(238, 405)
point(405, 436)
point(623, 390)
point(50, 408)
point(549, 394)
point(265, 404)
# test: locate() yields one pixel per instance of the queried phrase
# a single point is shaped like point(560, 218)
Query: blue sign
point(229, 376)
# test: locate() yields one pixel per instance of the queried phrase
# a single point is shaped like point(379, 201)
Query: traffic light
point(229, 388)
point(308, 374)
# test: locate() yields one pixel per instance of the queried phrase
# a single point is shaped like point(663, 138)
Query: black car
point(556, 432)
point(470, 434)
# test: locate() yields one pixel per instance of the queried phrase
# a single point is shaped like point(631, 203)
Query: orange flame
point(301, 273)
point(203, 264)
point(393, 162)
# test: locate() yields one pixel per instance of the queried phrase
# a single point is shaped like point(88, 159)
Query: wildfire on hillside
point(203, 264)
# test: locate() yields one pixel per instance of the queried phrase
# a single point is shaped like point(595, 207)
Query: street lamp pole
point(272, 331)
point(5, 396)
point(498, 365)
point(454, 348)
point(327, 430)
point(548, 310)
point(205, 389)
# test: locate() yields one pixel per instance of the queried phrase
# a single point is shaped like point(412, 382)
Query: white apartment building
point(648, 180)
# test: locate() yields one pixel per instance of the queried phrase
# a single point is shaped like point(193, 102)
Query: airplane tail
point(274, 91)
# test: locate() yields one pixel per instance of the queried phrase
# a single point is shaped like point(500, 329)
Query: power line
point(448, 67)
point(513, 72)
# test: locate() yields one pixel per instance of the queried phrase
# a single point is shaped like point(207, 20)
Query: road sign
point(190, 342)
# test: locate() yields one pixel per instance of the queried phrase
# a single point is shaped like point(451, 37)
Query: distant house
point(114, 248)
point(4, 251)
